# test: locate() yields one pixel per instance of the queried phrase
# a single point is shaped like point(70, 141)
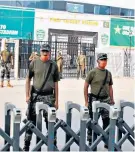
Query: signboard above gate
point(16, 23)
point(122, 32)
point(75, 21)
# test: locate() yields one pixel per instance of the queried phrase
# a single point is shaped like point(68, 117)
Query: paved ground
point(70, 90)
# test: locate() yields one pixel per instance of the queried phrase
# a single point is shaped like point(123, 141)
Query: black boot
point(89, 136)
point(27, 141)
point(55, 143)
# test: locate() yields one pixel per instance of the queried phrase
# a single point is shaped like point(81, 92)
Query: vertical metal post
point(95, 118)
point(84, 113)
point(55, 47)
point(39, 124)
point(68, 119)
point(16, 60)
point(51, 123)
point(7, 122)
point(16, 129)
point(119, 133)
point(113, 113)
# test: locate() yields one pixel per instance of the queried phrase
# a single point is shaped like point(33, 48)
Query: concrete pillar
point(16, 66)
point(3, 41)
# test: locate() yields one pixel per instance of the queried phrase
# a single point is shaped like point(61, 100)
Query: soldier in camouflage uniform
point(95, 79)
point(81, 65)
point(60, 63)
point(33, 56)
point(49, 93)
point(6, 65)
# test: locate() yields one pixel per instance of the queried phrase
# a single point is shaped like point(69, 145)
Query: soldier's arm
point(12, 59)
point(1, 55)
point(77, 59)
point(85, 61)
point(111, 90)
point(31, 57)
point(29, 76)
point(86, 86)
point(56, 79)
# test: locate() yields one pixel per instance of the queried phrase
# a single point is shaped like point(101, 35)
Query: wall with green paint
point(122, 32)
point(17, 23)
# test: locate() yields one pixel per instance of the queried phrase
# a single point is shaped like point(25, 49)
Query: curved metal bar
point(16, 124)
point(74, 106)
point(103, 105)
point(127, 104)
point(9, 107)
point(84, 114)
point(41, 106)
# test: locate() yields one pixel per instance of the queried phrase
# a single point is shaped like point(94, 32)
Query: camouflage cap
point(45, 47)
point(102, 56)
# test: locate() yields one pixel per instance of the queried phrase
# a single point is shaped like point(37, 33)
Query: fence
point(69, 51)
point(121, 63)
point(124, 132)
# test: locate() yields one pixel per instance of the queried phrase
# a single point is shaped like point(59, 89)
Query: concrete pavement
point(70, 90)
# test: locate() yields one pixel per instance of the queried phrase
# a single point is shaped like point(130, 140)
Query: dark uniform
point(6, 64)
point(95, 78)
point(37, 70)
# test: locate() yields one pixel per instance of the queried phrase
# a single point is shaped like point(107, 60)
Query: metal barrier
point(82, 132)
point(107, 136)
point(14, 142)
point(79, 137)
point(37, 130)
point(123, 127)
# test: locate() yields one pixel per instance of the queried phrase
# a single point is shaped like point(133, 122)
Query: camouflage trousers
point(31, 115)
point(5, 70)
point(103, 113)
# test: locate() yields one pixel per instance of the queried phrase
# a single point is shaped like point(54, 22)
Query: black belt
point(100, 97)
point(45, 93)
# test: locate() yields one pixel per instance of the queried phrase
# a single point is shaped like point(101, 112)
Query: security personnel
point(95, 79)
point(38, 70)
point(33, 56)
point(6, 64)
point(60, 63)
point(81, 64)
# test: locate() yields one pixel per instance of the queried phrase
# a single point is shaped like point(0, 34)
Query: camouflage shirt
point(6, 56)
point(81, 60)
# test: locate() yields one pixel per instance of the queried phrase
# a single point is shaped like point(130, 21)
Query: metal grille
point(69, 52)
point(127, 63)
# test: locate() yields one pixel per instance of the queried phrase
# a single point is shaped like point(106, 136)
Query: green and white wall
point(34, 24)
point(16, 23)
point(122, 32)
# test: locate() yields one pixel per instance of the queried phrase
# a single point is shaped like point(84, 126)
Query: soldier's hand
point(86, 104)
point(12, 67)
point(56, 105)
point(112, 102)
point(28, 99)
